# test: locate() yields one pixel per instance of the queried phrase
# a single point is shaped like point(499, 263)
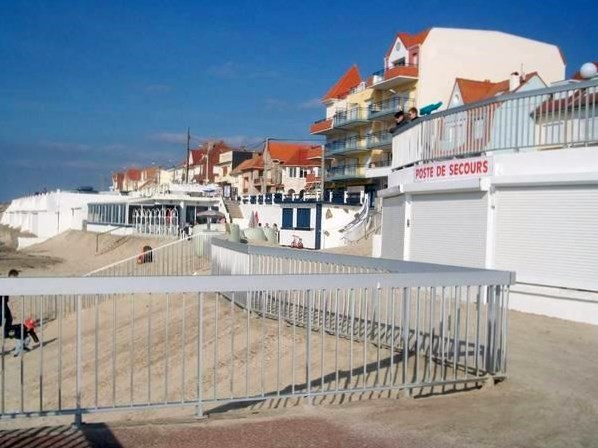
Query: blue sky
point(87, 88)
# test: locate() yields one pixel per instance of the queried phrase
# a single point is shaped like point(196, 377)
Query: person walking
point(17, 332)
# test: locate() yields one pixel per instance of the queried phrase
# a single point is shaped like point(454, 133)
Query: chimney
point(514, 81)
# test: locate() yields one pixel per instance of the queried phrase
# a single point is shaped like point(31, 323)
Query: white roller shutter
point(393, 227)
point(549, 235)
point(449, 228)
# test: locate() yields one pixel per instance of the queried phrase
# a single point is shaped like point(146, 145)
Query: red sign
point(453, 169)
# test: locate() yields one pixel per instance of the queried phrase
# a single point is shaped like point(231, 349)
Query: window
point(292, 172)
point(303, 218)
point(303, 172)
point(287, 218)
point(399, 62)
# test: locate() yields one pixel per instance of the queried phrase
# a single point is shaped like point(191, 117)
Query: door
point(449, 228)
point(549, 235)
point(393, 227)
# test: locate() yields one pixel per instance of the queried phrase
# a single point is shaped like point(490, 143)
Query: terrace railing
point(554, 117)
point(269, 324)
point(187, 255)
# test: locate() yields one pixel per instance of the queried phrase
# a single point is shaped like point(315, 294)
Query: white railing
point(288, 329)
point(188, 255)
point(161, 222)
point(555, 117)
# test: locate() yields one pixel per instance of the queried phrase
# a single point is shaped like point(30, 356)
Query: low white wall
point(115, 230)
point(308, 237)
point(578, 306)
point(376, 246)
point(334, 218)
point(267, 213)
point(23, 242)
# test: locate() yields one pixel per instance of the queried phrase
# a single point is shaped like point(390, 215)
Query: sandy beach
point(549, 399)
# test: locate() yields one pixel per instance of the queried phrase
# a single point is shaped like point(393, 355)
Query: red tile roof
point(349, 80)
point(409, 40)
point(579, 99)
point(294, 154)
point(249, 164)
point(133, 174)
point(472, 90)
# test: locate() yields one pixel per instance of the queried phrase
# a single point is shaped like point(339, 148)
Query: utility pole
point(322, 171)
point(269, 167)
point(188, 152)
point(208, 148)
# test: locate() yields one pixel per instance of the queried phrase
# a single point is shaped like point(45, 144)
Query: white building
point(518, 201)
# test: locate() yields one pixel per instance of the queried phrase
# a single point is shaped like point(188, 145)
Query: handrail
point(511, 134)
point(499, 99)
point(487, 276)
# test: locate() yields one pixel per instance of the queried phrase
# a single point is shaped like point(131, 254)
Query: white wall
point(567, 169)
point(475, 54)
point(49, 214)
point(334, 218)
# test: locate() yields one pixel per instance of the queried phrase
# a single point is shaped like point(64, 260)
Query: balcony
point(346, 146)
point(393, 77)
point(389, 107)
point(350, 118)
point(380, 167)
point(345, 172)
point(381, 140)
point(321, 126)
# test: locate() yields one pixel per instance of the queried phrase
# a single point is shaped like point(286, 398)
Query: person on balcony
point(412, 114)
point(399, 121)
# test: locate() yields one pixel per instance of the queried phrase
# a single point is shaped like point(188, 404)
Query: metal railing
point(349, 116)
point(346, 171)
point(379, 139)
point(344, 145)
point(204, 342)
point(188, 255)
point(554, 117)
point(389, 106)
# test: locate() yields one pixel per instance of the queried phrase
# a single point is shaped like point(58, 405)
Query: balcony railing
point(389, 107)
point(379, 140)
point(352, 144)
point(345, 172)
point(321, 126)
point(381, 163)
point(550, 118)
point(397, 75)
point(350, 117)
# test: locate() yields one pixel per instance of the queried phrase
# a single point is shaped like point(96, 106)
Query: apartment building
point(418, 70)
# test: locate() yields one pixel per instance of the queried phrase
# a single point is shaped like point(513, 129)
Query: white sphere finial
point(588, 70)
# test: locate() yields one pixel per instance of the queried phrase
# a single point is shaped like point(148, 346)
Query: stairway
point(233, 209)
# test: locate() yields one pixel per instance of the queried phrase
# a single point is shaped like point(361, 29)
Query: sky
point(88, 88)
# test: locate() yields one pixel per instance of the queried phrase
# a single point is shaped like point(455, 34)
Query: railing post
point(308, 325)
point(78, 414)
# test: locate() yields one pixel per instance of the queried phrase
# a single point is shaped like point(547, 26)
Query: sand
point(73, 253)
point(549, 399)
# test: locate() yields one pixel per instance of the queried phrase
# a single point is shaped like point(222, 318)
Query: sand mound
point(75, 253)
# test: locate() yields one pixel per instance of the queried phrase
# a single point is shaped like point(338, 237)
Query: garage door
point(449, 228)
point(393, 227)
point(549, 235)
